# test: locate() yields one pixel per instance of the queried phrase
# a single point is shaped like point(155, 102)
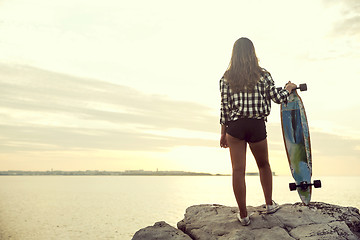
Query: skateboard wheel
point(292, 186)
point(317, 183)
point(303, 87)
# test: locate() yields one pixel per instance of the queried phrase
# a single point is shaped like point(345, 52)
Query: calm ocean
point(115, 207)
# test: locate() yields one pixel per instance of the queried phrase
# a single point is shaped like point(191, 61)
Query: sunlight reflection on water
point(115, 207)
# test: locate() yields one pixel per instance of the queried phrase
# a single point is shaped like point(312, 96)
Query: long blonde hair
point(244, 71)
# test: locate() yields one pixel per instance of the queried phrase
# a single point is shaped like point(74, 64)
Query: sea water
point(115, 207)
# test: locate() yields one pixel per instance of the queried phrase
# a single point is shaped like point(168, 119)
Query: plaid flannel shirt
point(250, 105)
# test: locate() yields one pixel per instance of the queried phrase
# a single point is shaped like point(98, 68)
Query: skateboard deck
point(297, 144)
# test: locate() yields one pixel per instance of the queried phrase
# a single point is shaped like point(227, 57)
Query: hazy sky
point(115, 85)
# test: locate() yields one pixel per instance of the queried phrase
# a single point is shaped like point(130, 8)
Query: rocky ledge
point(292, 221)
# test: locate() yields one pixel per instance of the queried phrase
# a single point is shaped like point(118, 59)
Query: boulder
point(160, 231)
point(291, 221)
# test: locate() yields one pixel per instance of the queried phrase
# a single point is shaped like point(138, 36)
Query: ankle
point(243, 214)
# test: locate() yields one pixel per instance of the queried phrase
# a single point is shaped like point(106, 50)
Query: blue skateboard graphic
point(297, 144)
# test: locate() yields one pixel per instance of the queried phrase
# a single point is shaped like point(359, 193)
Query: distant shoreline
point(112, 173)
point(105, 173)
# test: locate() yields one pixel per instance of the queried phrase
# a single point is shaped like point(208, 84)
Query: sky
point(119, 85)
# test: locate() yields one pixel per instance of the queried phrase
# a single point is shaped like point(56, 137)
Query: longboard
point(297, 144)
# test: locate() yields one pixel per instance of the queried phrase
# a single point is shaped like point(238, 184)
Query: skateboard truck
point(305, 185)
point(302, 87)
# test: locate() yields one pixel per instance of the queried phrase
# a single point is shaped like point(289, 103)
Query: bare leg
point(238, 160)
point(260, 152)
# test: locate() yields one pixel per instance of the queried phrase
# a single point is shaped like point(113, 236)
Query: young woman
point(246, 94)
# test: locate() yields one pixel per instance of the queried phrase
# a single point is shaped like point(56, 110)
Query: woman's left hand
point(290, 86)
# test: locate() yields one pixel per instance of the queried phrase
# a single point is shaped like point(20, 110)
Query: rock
point(316, 221)
point(160, 231)
point(291, 221)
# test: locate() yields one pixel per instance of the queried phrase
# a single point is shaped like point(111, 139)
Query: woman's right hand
point(290, 86)
point(223, 141)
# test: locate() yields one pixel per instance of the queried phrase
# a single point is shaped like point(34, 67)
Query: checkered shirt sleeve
point(255, 104)
point(225, 101)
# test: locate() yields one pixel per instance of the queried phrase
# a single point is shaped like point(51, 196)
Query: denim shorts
point(248, 129)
